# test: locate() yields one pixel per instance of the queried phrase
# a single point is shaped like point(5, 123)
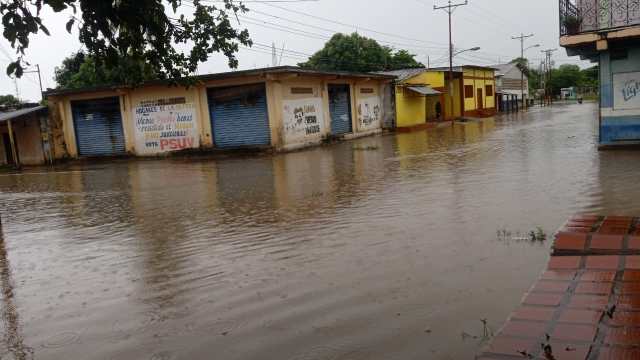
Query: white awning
point(424, 90)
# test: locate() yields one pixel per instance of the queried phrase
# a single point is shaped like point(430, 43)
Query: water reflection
point(14, 343)
point(349, 250)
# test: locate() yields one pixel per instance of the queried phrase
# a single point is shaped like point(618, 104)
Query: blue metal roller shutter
point(98, 126)
point(340, 109)
point(241, 121)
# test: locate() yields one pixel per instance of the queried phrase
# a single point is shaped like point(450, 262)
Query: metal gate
point(340, 109)
point(239, 116)
point(98, 126)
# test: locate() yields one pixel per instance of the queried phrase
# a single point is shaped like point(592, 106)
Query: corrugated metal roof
point(502, 69)
point(424, 90)
point(228, 75)
point(404, 74)
point(18, 113)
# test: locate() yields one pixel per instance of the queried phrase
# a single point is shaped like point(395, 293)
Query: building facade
point(509, 81)
point(478, 84)
point(421, 98)
point(281, 108)
point(24, 137)
point(479, 91)
point(608, 33)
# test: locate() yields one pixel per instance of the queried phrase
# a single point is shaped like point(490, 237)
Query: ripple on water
point(62, 339)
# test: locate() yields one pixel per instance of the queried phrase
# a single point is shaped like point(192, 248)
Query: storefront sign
point(165, 125)
point(303, 119)
point(626, 91)
point(369, 113)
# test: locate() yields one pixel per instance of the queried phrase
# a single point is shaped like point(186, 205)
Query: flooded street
point(385, 247)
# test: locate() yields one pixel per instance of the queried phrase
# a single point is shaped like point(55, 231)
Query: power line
point(6, 53)
point(449, 9)
point(358, 28)
point(332, 31)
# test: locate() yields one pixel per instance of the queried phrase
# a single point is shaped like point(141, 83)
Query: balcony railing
point(582, 16)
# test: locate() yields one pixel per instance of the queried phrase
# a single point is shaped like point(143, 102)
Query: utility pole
point(15, 83)
point(449, 9)
point(548, 53)
point(274, 56)
point(39, 79)
point(522, 37)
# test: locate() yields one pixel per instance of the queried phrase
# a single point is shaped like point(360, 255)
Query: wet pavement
point(389, 247)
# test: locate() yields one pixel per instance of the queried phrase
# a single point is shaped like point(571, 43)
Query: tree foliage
point(359, 54)
point(565, 76)
point(80, 70)
point(9, 100)
point(141, 30)
point(522, 64)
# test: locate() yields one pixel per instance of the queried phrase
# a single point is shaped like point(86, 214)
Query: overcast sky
point(303, 27)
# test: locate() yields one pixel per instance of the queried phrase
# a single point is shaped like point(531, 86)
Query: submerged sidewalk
point(586, 305)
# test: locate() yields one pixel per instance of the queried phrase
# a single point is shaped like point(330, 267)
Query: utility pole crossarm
point(450, 7)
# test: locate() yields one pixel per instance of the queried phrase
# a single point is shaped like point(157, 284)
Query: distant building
point(280, 108)
point(568, 93)
point(509, 80)
point(608, 33)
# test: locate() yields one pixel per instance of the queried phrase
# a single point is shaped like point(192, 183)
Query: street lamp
point(522, 75)
point(466, 50)
point(532, 46)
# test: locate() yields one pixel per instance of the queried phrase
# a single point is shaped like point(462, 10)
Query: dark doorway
point(7, 148)
point(340, 109)
point(480, 100)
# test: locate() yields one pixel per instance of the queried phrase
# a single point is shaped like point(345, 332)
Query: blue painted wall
point(617, 127)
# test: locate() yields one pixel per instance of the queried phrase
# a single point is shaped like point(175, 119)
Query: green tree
point(403, 59)
point(522, 64)
point(141, 30)
point(70, 67)
point(565, 76)
point(359, 54)
point(591, 76)
point(80, 70)
point(9, 100)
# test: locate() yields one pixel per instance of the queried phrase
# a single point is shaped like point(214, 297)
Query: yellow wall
point(410, 108)
point(432, 78)
point(413, 109)
point(457, 107)
point(479, 79)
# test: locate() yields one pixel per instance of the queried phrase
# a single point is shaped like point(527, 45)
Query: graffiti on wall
point(165, 125)
point(369, 113)
point(626, 91)
point(302, 119)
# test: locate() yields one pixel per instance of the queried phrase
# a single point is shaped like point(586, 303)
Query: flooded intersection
point(386, 247)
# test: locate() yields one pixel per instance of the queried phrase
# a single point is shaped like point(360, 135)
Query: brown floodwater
point(388, 247)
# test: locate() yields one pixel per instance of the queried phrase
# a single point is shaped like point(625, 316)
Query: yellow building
point(479, 86)
point(422, 99)
point(281, 108)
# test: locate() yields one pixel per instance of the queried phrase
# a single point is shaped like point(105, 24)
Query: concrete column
point(14, 151)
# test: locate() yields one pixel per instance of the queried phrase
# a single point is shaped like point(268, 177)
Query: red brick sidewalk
point(586, 305)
